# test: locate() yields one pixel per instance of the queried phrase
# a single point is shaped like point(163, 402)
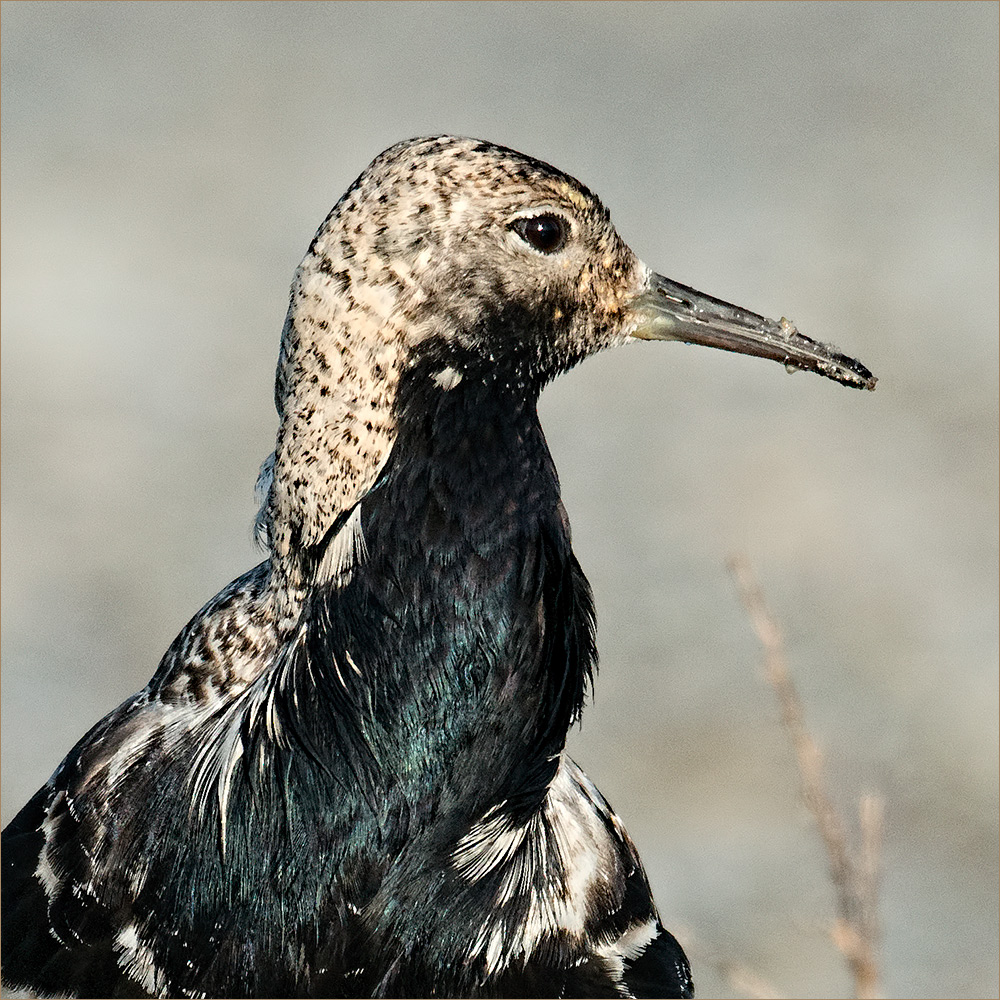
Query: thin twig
point(856, 931)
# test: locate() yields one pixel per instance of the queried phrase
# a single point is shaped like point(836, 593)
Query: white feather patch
point(447, 378)
point(137, 960)
point(557, 886)
point(345, 550)
point(492, 842)
point(47, 871)
point(628, 947)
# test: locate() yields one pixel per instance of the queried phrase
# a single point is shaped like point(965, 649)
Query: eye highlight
point(545, 233)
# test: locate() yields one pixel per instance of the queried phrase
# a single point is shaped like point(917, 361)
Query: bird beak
point(665, 310)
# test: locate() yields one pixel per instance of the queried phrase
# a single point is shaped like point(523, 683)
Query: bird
point(347, 777)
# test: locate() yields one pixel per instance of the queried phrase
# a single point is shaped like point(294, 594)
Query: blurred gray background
point(164, 168)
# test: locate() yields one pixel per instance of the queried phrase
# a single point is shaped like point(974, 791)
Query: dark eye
point(546, 233)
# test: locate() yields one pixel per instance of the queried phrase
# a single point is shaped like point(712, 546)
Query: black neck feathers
point(451, 663)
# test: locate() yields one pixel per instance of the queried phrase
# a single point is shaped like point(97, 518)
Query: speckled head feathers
point(479, 265)
point(425, 246)
point(423, 255)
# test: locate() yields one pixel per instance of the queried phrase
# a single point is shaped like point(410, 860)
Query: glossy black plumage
point(347, 777)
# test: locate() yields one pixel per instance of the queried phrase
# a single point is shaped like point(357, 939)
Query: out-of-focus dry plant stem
point(856, 931)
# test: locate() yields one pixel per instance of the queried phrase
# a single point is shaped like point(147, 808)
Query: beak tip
point(860, 377)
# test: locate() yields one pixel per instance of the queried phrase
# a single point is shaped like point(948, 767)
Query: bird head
point(476, 263)
point(512, 269)
point(498, 265)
